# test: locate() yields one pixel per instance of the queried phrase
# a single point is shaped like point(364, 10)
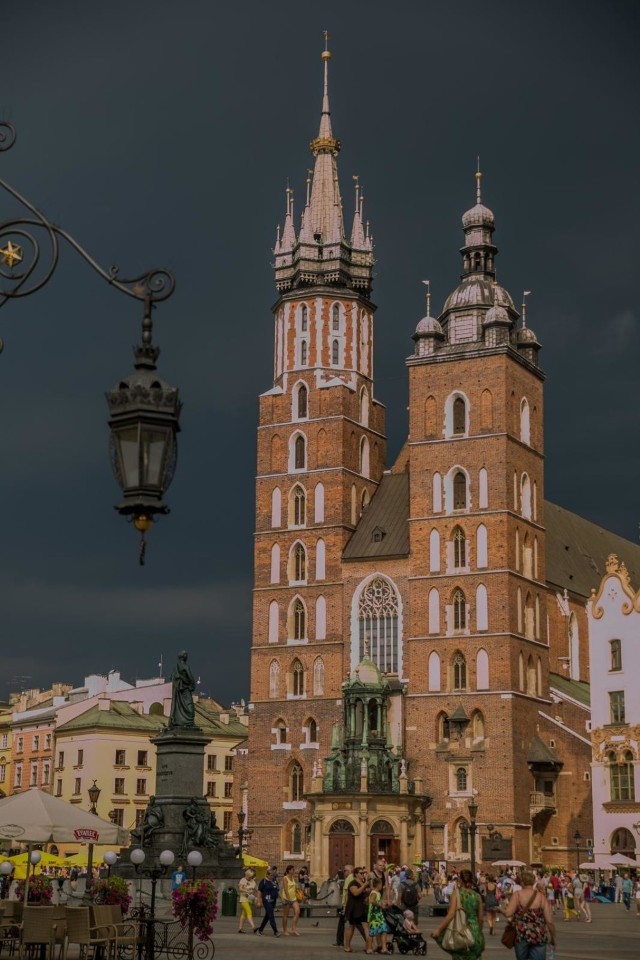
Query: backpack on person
point(409, 893)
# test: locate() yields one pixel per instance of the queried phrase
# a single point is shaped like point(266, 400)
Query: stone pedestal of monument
point(179, 778)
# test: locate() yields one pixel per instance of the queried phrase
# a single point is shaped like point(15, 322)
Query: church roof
point(539, 753)
point(576, 689)
point(383, 530)
point(576, 549)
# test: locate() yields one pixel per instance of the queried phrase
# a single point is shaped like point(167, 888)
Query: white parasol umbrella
point(619, 860)
point(590, 865)
point(37, 817)
point(508, 863)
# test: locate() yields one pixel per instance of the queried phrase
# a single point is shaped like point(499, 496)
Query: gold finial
point(525, 294)
point(325, 53)
point(478, 182)
point(11, 254)
point(427, 284)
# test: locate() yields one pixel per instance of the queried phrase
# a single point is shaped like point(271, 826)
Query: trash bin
point(313, 890)
point(229, 902)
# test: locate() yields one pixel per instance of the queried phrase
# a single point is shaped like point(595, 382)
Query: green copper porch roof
point(119, 716)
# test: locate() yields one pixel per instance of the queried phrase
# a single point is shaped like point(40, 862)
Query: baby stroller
point(406, 942)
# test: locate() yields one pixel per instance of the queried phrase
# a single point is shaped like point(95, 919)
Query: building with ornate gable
point(419, 632)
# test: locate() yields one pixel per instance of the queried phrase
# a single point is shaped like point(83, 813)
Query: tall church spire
point(322, 254)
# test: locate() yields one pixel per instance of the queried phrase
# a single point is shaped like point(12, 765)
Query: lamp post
point(143, 409)
point(110, 859)
point(194, 859)
point(137, 858)
point(94, 796)
point(244, 834)
point(472, 807)
point(577, 837)
point(5, 873)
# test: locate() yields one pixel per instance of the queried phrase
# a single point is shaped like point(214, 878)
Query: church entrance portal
point(383, 841)
point(341, 846)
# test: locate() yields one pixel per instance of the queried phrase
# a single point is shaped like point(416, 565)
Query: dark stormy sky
point(161, 133)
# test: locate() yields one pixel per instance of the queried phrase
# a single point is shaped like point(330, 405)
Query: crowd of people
point(382, 905)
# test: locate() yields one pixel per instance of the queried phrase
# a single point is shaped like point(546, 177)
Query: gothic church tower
point(321, 454)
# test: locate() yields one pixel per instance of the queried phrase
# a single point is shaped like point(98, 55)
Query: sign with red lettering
point(86, 834)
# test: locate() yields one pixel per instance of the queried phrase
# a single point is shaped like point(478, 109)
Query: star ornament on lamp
point(11, 254)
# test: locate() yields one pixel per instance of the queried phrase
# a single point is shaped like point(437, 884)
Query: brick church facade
point(419, 631)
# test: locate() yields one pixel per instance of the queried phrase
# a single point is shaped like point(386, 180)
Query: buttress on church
point(420, 637)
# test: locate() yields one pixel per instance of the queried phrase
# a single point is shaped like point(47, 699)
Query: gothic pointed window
point(461, 779)
point(300, 453)
point(378, 625)
point(318, 676)
point(296, 837)
point(303, 353)
point(297, 782)
point(298, 506)
point(302, 398)
point(304, 318)
point(297, 679)
point(459, 610)
point(459, 548)
point(459, 416)
point(312, 727)
point(335, 317)
point(463, 837)
point(335, 353)
point(298, 622)
point(298, 564)
point(459, 672)
point(274, 679)
point(459, 491)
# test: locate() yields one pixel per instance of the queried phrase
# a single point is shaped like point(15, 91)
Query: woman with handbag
point(460, 933)
point(290, 902)
point(530, 914)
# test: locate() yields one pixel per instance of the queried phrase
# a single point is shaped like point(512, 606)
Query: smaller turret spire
point(478, 183)
point(427, 284)
point(358, 240)
point(288, 232)
point(524, 308)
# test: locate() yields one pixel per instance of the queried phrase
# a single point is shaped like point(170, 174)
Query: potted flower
point(112, 890)
point(195, 903)
point(40, 890)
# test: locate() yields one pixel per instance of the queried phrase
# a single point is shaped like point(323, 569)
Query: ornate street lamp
point(110, 859)
point(194, 859)
point(472, 807)
point(94, 796)
point(577, 837)
point(244, 835)
point(5, 873)
point(154, 873)
point(143, 409)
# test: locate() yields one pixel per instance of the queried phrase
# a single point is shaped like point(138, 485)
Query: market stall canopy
point(46, 860)
point(260, 866)
point(619, 860)
point(508, 863)
point(590, 865)
point(37, 817)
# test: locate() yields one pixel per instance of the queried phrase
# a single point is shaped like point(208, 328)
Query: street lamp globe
point(167, 857)
point(194, 858)
point(137, 856)
point(110, 858)
point(35, 857)
point(6, 868)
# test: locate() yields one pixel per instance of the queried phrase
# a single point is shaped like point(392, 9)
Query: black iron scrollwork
point(30, 250)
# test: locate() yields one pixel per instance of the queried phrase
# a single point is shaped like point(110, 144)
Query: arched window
point(442, 727)
point(275, 563)
point(354, 505)
point(461, 779)
point(296, 782)
point(318, 676)
point(437, 493)
point(303, 353)
point(297, 620)
point(535, 501)
point(297, 506)
point(531, 677)
point(515, 490)
point(519, 608)
point(434, 551)
point(364, 501)
point(462, 838)
point(459, 548)
point(477, 726)
point(529, 618)
point(364, 408)
point(364, 457)
point(574, 648)
point(298, 564)
point(299, 452)
point(274, 618)
point(459, 610)
point(621, 776)
point(525, 497)
point(274, 679)
point(321, 618)
point(459, 491)
point(297, 679)
point(378, 624)
point(320, 560)
point(525, 428)
point(304, 318)
point(296, 838)
point(276, 453)
point(319, 503)
point(482, 552)
point(483, 489)
point(312, 728)
point(527, 557)
point(459, 416)
point(539, 676)
point(430, 417)
point(622, 841)
point(459, 673)
point(302, 410)
point(335, 317)
point(616, 654)
point(482, 670)
point(520, 672)
point(335, 353)
point(434, 611)
point(537, 621)
point(486, 410)
point(281, 731)
point(535, 557)
point(276, 507)
point(434, 672)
